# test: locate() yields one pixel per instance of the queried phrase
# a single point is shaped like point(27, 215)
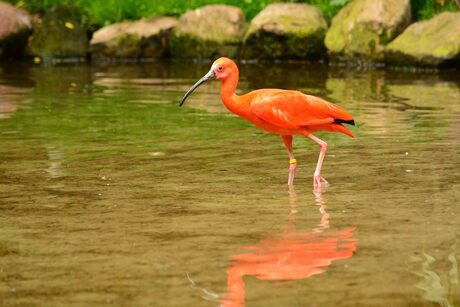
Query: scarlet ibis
point(284, 112)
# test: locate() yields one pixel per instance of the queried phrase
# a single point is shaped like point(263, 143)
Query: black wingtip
point(342, 121)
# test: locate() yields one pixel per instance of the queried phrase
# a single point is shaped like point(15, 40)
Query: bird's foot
point(319, 181)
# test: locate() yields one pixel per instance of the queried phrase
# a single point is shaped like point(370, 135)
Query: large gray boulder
point(208, 32)
point(363, 27)
point(432, 42)
point(133, 39)
point(286, 30)
point(15, 28)
point(62, 33)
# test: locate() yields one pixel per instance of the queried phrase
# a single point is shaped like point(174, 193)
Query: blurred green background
point(104, 12)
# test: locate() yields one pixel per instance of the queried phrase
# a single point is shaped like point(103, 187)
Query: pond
point(112, 194)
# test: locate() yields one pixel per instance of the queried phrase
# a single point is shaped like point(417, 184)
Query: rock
point(433, 42)
point(362, 28)
point(134, 39)
point(208, 32)
point(61, 33)
point(286, 30)
point(15, 28)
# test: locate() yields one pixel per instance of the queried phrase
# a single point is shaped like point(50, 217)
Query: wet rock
point(433, 42)
point(363, 27)
point(286, 30)
point(208, 32)
point(134, 39)
point(61, 33)
point(15, 28)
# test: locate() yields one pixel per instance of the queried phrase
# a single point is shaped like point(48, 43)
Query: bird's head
point(221, 69)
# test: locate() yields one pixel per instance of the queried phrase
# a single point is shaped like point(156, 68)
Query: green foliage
point(108, 11)
point(103, 12)
point(425, 9)
point(329, 7)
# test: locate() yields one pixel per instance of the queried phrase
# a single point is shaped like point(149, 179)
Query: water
point(111, 194)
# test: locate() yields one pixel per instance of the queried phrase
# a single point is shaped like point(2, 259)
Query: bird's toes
point(319, 181)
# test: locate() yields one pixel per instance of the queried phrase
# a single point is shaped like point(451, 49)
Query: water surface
point(111, 194)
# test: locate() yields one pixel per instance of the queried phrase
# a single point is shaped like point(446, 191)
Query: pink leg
point(287, 139)
point(317, 175)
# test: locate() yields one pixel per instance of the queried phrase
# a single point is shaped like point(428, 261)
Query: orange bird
point(283, 112)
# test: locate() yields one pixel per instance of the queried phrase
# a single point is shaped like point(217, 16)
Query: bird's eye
point(220, 68)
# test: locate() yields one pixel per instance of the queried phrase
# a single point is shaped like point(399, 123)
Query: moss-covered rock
point(134, 39)
point(15, 28)
point(207, 32)
point(62, 32)
point(432, 42)
point(285, 30)
point(363, 27)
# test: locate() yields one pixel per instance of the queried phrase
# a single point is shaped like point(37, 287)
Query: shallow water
point(111, 194)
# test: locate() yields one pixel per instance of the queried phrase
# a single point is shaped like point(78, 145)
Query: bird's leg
point(287, 139)
point(323, 148)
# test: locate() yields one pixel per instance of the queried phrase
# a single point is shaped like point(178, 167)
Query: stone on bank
point(285, 31)
point(362, 28)
point(133, 39)
point(62, 33)
point(433, 42)
point(15, 28)
point(208, 32)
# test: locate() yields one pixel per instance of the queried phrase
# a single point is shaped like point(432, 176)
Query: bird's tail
point(342, 129)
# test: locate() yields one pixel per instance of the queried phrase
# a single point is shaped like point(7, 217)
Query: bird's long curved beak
point(209, 76)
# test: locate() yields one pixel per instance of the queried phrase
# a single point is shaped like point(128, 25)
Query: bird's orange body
point(283, 112)
point(288, 112)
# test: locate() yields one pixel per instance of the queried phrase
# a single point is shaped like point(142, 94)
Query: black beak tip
point(209, 76)
point(182, 101)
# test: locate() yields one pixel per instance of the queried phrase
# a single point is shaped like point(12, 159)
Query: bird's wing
point(293, 109)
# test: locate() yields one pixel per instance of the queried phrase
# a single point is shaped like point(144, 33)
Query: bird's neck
point(227, 93)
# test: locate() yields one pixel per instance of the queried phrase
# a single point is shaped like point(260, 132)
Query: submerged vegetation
point(105, 12)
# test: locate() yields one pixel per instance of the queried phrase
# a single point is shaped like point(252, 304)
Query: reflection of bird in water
point(283, 112)
point(289, 255)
